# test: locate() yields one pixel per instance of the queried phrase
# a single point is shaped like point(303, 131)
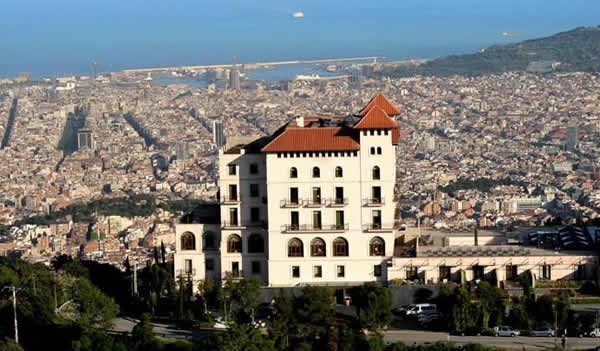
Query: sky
point(62, 36)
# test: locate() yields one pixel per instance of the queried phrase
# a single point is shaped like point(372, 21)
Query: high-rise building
point(182, 150)
point(218, 134)
point(85, 140)
point(572, 137)
point(234, 76)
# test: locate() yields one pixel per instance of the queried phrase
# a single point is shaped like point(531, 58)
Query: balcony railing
point(373, 202)
point(378, 227)
point(230, 224)
point(310, 228)
point(314, 202)
point(186, 272)
point(337, 202)
point(290, 203)
point(231, 199)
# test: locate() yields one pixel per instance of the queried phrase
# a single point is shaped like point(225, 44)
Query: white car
point(220, 324)
point(594, 333)
point(507, 331)
point(419, 308)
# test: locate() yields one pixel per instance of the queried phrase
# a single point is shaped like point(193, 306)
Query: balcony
point(287, 203)
point(313, 202)
point(231, 199)
point(190, 272)
point(374, 202)
point(231, 225)
point(309, 228)
point(338, 202)
point(378, 227)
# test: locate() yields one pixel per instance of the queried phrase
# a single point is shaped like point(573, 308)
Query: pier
point(252, 65)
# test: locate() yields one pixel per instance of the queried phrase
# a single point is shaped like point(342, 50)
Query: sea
point(64, 37)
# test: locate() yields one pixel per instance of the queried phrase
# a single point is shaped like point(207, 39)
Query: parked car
point(419, 308)
point(594, 333)
point(507, 331)
point(220, 324)
point(401, 311)
point(541, 331)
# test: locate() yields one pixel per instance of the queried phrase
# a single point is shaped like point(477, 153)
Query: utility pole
point(14, 293)
point(14, 298)
point(135, 287)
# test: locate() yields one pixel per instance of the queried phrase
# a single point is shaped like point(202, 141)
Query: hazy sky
point(59, 34)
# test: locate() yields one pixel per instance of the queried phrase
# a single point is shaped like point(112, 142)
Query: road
point(409, 337)
point(420, 337)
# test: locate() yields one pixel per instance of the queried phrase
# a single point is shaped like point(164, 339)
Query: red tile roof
point(376, 118)
point(381, 101)
point(313, 139)
point(395, 135)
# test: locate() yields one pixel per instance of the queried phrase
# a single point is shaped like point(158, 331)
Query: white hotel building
point(314, 204)
point(310, 204)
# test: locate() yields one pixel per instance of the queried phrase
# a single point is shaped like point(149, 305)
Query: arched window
point(372, 150)
point(295, 248)
point(377, 247)
point(234, 243)
point(376, 173)
point(339, 172)
point(188, 241)
point(317, 248)
point(316, 172)
point(293, 172)
point(256, 244)
point(379, 150)
point(210, 241)
point(340, 247)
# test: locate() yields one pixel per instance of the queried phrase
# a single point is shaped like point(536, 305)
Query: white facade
point(201, 259)
point(357, 227)
point(243, 213)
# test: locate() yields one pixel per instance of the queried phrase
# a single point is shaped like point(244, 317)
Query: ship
point(298, 14)
point(331, 68)
point(308, 77)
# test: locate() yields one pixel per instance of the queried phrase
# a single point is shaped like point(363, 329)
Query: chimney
point(300, 121)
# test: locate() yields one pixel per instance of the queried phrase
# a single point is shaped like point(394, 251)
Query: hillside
point(574, 50)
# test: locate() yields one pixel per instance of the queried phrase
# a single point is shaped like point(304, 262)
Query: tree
point(283, 321)
point(242, 297)
point(206, 288)
point(315, 312)
point(142, 336)
point(243, 338)
point(464, 312)
point(373, 305)
point(544, 310)
point(562, 306)
point(9, 345)
point(94, 309)
point(491, 304)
